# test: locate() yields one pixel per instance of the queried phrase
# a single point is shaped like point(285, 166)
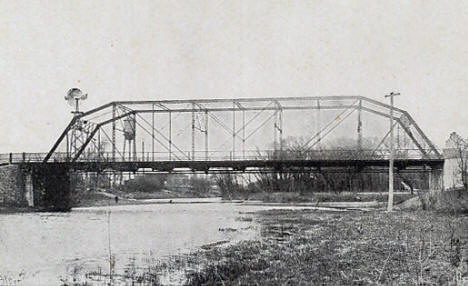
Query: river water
point(47, 248)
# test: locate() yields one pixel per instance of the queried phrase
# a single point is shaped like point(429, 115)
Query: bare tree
point(459, 147)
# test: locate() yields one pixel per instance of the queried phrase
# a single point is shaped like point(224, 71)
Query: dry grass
point(352, 248)
point(296, 197)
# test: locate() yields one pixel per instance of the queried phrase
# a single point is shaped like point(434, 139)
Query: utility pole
point(392, 155)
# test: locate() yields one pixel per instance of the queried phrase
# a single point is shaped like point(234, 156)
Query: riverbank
point(95, 198)
point(10, 210)
point(347, 248)
point(102, 198)
point(320, 197)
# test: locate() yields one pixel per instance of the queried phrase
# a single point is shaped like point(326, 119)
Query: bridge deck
point(240, 165)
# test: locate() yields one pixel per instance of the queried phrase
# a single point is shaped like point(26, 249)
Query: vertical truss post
point(317, 124)
point(233, 130)
point(170, 136)
point(134, 140)
point(206, 135)
point(68, 146)
point(403, 139)
point(275, 132)
point(359, 127)
point(193, 131)
point(398, 137)
point(99, 144)
point(243, 134)
point(72, 141)
point(278, 129)
point(281, 131)
point(114, 110)
point(130, 152)
point(123, 152)
point(152, 132)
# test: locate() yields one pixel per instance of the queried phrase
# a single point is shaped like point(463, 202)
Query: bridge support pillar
point(13, 186)
point(51, 187)
point(436, 179)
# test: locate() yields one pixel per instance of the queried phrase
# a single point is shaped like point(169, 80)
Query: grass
point(133, 275)
point(295, 197)
point(352, 248)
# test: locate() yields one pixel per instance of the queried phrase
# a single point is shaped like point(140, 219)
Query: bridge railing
point(12, 158)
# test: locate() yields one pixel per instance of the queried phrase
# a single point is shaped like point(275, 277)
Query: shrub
point(146, 183)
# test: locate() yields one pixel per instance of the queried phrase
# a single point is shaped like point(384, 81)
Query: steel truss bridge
point(213, 135)
point(289, 134)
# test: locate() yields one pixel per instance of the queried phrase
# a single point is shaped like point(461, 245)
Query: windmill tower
point(79, 130)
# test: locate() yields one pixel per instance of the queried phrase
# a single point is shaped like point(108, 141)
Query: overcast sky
point(150, 50)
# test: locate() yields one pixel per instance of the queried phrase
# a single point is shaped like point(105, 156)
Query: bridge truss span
point(288, 129)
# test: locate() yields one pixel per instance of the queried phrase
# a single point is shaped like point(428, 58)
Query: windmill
point(73, 97)
point(80, 130)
